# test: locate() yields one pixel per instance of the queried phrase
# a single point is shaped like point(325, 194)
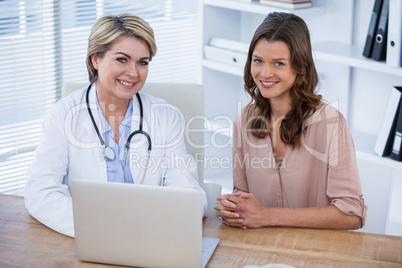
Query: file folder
point(368, 47)
point(394, 46)
point(396, 153)
point(380, 40)
point(385, 138)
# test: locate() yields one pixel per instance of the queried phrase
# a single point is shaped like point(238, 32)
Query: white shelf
point(334, 52)
point(256, 8)
point(364, 144)
point(351, 55)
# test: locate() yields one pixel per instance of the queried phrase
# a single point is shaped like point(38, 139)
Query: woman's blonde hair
point(108, 29)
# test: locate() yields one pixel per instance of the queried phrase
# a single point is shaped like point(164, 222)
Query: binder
point(226, 56)
point(394, 46)
point(380, 40)
point(368, 47)
point(385, 138)
point(396, 153)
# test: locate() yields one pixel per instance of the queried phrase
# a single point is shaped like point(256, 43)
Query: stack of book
point(389, 139)
point(384, 36)
point(290, 4)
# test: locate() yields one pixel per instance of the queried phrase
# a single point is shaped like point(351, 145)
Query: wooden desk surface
point(24, 242)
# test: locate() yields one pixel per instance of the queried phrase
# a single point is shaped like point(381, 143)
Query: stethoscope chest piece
point(108, 154)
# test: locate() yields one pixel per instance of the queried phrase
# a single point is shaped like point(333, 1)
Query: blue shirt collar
point(125, 126)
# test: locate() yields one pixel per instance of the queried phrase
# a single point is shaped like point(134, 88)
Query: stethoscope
point(108, 153)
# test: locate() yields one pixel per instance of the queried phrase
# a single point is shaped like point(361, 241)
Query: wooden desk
point(24, 242)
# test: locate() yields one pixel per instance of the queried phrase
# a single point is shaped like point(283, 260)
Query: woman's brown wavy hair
point(293, 31)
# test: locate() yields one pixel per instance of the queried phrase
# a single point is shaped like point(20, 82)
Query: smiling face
point(272, 71)
point(122, 70)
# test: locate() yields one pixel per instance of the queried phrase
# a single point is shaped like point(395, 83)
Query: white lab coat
point(69, 149)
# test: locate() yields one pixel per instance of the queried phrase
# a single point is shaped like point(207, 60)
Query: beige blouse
point(322, 171)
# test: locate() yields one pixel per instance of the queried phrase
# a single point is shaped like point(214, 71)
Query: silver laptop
point(139, 225)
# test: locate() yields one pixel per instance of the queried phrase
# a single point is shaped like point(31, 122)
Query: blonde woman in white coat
point(79, 128)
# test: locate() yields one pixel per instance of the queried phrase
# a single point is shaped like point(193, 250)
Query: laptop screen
point(137, 225)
